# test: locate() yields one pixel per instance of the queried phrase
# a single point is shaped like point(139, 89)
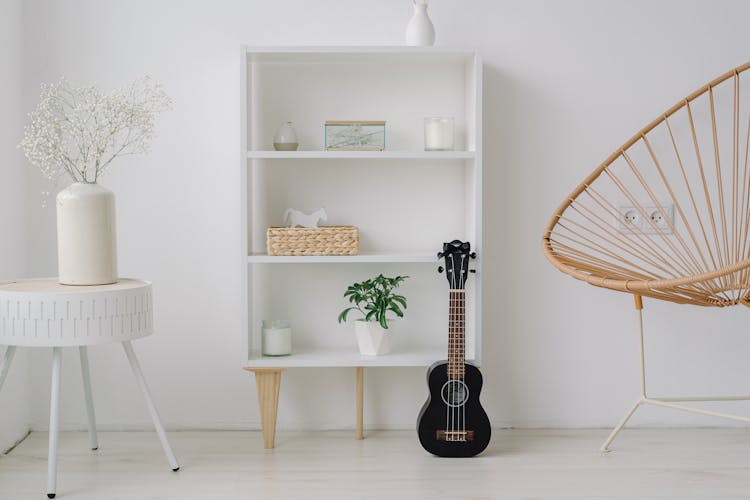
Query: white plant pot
point(371, 338)
point(86, 235)
point(420, 31)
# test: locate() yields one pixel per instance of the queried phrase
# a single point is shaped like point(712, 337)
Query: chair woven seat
point(667, 215)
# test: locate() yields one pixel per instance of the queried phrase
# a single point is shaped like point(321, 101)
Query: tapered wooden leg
point(360, 401)
point(268, 381)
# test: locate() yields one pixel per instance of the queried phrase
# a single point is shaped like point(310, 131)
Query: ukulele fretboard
point(456, 347)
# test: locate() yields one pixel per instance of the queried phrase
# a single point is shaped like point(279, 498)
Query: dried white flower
point(81, 130)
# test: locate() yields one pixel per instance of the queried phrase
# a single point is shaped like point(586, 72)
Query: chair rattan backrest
point(667, 215)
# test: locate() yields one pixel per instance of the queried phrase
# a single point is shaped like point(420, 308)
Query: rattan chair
point(667, 215)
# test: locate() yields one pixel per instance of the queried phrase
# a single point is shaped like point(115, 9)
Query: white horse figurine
point(301, 219)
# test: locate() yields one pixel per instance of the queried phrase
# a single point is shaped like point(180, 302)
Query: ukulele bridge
point(455, 435)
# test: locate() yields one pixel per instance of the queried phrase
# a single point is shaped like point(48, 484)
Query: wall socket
point(650, 221)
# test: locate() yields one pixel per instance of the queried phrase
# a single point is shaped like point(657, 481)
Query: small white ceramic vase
point(285, 138)
point(86, 235)
point(420, 31)
point(371, 338)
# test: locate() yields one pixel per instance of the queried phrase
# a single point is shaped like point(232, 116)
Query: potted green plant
point(373, 299)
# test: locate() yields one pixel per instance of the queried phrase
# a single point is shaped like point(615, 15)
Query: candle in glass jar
point(276, 338)
point(438, 134)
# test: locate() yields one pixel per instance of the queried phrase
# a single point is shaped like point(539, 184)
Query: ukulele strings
point(463, 354)
point(451, 321)
point(456, 400)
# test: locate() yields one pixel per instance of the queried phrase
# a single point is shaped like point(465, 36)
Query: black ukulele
point(452, 422)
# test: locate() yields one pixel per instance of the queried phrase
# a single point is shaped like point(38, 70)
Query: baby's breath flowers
point(79, 131)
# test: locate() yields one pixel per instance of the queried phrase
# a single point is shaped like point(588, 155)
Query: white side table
point(43, 313)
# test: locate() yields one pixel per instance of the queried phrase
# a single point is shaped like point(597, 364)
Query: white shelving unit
point(405, 201)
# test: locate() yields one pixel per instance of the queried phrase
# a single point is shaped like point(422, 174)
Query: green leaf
point(344, 314)
point(383, 322)
point(397, 310)
point(400, 300)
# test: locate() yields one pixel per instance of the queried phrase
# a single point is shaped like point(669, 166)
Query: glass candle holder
point(438, 133)
point(276, 338)
point(285, 138)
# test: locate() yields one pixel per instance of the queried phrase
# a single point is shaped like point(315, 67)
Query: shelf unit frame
point(251, 56)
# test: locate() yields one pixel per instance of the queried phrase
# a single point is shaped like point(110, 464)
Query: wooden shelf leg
point(360, 401)
point(268, 381)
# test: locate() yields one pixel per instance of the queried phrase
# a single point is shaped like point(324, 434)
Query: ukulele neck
point(456, 337)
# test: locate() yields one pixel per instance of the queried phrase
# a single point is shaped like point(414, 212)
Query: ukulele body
point(452, 422)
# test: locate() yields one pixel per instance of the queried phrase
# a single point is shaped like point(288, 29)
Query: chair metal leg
point(149, 402)
point(668, 402)
point(10, 351)
point(54, 408)
point(616, 430)
point(639, 311)
point(93, 441)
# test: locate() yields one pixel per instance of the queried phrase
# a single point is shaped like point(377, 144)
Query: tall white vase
point(86, 235)
point(420, 31)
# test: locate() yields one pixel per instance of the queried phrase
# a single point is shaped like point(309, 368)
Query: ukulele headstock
point(456, 255)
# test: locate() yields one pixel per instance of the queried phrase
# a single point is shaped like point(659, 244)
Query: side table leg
point(149, 402)
point(268, 381)
point(93, 441)
point(360, 401)
point(10, 351)
point(54, 408)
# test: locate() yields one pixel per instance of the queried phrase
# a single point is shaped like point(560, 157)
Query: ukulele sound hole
point(454, 393)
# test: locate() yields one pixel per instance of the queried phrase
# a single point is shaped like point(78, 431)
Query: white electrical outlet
point(652, 220)
point(629, 220)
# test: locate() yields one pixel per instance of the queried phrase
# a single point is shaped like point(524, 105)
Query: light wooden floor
point(523, 464)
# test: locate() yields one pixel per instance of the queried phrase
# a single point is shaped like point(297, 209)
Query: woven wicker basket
point(325, 240)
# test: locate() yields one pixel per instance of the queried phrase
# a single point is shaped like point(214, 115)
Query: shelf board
point(355, 54)
point(380, 155)
point(346, 358)
point(331, 259)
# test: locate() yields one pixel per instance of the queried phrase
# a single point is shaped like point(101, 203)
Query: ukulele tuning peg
point(440, 269)
point(473, 255)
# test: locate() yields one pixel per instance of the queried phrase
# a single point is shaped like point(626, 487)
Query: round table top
point(44, 313)
point(51, 285)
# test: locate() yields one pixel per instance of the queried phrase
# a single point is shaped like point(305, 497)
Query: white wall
point(565, 84)
point(14, 414)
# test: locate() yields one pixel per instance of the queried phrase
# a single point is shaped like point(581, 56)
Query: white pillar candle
point(276, 338)
point(438, 134)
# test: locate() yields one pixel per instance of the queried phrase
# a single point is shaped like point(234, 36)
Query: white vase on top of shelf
point(420, 32)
